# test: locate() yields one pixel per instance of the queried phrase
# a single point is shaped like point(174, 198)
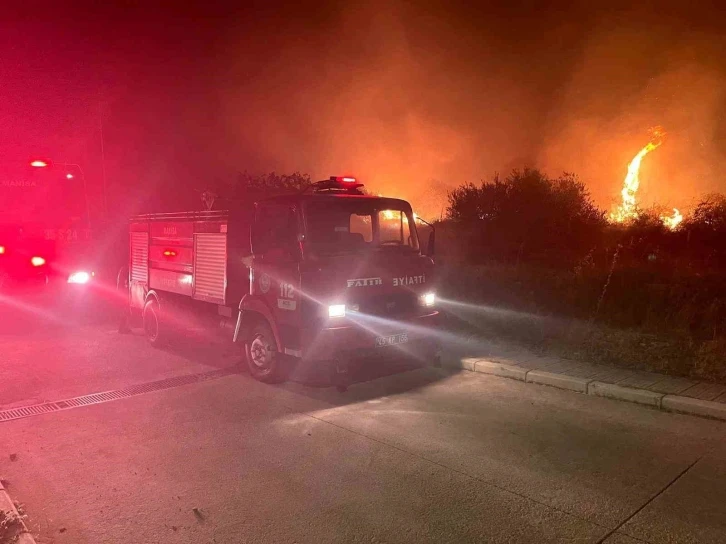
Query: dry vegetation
point(540, 266)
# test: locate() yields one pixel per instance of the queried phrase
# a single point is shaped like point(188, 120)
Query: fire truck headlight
point(429, 299)
point(336, 310)
point(80, 277)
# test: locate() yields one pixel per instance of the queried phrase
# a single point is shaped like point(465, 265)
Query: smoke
point(379, 94)
point(400, 97)
point(412, 99)
point(633, 75)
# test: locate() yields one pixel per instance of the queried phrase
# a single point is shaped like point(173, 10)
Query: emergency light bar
point(338, 184)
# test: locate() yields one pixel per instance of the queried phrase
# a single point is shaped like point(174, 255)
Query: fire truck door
point(275, 269)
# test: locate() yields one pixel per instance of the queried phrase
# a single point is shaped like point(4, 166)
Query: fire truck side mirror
point(431, 245)
point(255, 241)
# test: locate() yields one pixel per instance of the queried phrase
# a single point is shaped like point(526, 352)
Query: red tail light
point(37, 261)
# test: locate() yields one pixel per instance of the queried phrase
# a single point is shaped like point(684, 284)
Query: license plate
point(392, 340)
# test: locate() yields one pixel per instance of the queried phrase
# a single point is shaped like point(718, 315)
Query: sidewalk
point(650, 388)
point(12, 524)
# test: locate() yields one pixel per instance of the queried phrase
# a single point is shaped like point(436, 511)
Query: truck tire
point(264, 362)
point(153, 324)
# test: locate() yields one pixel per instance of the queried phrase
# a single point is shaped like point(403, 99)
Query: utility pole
point(103, 159)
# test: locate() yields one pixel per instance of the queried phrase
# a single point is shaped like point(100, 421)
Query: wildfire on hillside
point(628, 209)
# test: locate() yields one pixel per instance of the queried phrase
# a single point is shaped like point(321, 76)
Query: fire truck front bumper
point(358, 338)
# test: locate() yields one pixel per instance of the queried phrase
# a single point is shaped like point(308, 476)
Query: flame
point(389, 215)
point(674, 220)
point(627, 209)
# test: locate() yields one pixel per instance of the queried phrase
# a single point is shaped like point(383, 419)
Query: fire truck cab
point(328, 275)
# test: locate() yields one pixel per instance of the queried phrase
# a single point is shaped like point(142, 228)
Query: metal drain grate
point(107, 396)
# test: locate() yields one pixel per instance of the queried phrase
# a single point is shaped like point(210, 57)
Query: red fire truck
point(327, 275)
point(45, 234)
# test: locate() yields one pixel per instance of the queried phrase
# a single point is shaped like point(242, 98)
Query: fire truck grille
point(389, 305)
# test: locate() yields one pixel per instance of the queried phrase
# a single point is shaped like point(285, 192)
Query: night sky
point(412, 98)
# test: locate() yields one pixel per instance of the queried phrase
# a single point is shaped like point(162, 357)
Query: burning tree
point(628, 208)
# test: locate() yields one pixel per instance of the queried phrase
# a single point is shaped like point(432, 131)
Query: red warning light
point(2, 250)
point(39, 164)
point(37, 261)
point(169, 253)
point(343, 179)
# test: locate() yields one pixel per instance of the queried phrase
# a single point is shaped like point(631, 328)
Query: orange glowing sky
point(412, 100)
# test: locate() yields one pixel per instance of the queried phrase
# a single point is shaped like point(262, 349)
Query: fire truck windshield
point(348, 226)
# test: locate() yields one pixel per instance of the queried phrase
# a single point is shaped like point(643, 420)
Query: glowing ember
point(627, 209)
point(673, 221)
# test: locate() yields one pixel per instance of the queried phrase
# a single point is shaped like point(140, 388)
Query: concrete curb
point(7, 505)
point(688, 405)
point(628, 394)
point(664, 402)
point(502, 370)
point(467, 363)
point(561, 381)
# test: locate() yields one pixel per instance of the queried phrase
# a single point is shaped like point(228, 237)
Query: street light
point(44, 164)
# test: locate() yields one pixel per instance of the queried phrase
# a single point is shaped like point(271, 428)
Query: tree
point(705, 232)
point(247, 187)
point(644, 239)
point(470, 203)
point(529, 216)
point(271, 183)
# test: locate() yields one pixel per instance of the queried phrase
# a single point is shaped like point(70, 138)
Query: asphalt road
point(422, 455)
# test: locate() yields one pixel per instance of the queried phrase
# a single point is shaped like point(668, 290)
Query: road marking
point(108, 396)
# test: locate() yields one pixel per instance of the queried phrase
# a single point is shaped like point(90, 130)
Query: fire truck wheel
point(153, 326)
point(263, 360)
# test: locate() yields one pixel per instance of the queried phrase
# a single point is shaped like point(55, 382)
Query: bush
point(527, 217)
point(640, 320)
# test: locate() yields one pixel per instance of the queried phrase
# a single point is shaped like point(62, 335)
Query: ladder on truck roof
point(199, 215)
